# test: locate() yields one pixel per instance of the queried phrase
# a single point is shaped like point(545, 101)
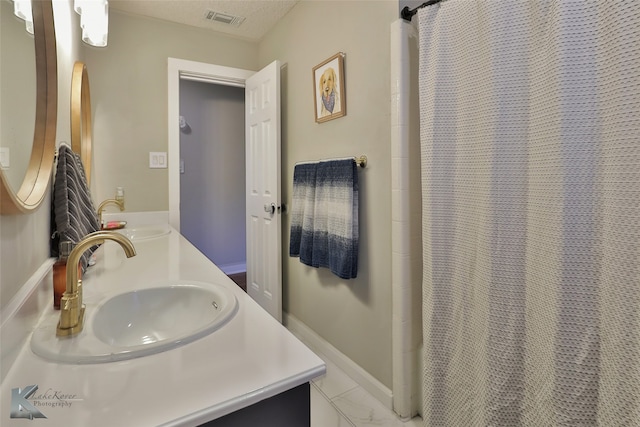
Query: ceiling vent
point(223, 18)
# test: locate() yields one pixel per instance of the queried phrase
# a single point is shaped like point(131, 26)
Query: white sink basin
point(140, 323)
point(167, 314)
point(146, 232)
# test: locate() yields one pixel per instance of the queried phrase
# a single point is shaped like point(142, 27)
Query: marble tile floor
point(338, 401)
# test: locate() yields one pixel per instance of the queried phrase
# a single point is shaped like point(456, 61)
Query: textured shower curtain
point(530, 136)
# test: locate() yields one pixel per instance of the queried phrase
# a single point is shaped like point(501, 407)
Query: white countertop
point(251, 358)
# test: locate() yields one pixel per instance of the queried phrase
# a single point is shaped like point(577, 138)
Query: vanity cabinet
point(250, 372)
point(289, 408)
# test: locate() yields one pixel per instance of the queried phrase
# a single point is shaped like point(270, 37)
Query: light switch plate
point(5, 158)
point(157, 159)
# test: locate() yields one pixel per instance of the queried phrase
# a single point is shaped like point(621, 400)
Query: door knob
point(270, 208)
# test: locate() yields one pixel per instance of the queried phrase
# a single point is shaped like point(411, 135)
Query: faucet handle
point(71, 315)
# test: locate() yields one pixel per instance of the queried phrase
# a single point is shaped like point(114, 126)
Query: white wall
point(24, 239)
point(212, 187)
point(352, 315)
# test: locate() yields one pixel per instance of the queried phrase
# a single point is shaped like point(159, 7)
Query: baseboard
point(352, 369)
point(233, 268)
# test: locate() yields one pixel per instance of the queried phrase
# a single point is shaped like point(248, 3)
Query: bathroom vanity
point(249, 370)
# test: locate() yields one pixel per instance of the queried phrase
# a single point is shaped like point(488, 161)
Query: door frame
point(197, 71)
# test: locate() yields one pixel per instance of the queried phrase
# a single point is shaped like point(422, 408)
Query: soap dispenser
point(60, 272)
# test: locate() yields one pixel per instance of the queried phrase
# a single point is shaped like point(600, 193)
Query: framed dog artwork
point(328, 89)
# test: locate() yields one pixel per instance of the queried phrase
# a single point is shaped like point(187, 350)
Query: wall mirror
point(81, 141)
point(28, 110)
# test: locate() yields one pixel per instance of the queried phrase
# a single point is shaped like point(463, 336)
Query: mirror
point(18, 64)
point(81, 140)
point(22, 189)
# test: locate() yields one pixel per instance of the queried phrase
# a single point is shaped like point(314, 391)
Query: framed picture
point(328, 89)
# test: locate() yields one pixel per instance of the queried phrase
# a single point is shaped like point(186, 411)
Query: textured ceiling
point(261, 15)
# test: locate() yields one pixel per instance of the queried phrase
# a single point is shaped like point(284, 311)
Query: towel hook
point(361, 161)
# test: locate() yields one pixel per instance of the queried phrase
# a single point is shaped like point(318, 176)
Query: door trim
point(189, 70)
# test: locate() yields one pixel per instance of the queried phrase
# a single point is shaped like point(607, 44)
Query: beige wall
point(24, 239)
point(352, 315)
point(129, 100)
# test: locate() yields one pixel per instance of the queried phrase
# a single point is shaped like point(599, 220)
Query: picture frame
point(329, 89)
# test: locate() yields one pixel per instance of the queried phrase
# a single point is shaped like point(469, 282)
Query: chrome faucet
point(71, 307)
point(117, 201)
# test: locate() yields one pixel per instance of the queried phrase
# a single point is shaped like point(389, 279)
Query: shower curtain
point(530, 138)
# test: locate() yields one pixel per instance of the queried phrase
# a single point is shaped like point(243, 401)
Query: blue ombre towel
point(325, 233)
point(303, 199)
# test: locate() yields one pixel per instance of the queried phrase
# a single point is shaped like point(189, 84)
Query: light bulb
point(94, 21)
point(22, 9)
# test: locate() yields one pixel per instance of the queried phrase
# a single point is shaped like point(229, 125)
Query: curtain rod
point(407, 13)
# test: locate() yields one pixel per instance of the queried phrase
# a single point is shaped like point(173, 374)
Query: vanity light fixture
point(94, 21)
point(22, 9)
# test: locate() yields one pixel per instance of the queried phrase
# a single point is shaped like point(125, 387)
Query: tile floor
point(338, 401)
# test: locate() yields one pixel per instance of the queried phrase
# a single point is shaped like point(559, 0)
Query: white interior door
point(264, 255)
point(262, 104)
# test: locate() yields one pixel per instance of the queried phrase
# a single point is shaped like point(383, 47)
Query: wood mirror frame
point(38, 175)
point(81, 140)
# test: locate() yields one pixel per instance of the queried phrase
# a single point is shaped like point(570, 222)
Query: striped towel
point(73, 214)
point(325, 233)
